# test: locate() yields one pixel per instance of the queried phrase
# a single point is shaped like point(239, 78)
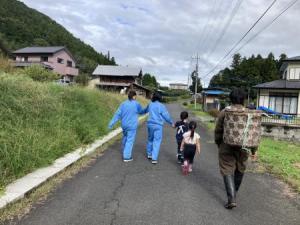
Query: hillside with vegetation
point(247, 72)
point(21, 26)
point(41, 120)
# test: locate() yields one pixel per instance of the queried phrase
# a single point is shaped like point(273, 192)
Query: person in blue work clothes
point(128, 113)
point(158, 114)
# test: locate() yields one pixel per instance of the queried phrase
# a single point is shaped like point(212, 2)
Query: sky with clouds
point(162, 36)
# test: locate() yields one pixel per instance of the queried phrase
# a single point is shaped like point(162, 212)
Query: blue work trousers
point(155, 134)
point(127, 142)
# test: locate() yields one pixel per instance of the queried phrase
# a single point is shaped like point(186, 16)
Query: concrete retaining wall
point(281, 132)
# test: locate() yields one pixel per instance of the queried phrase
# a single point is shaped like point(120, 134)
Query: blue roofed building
point(212, 98)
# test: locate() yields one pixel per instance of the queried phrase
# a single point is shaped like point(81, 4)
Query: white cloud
point(161, 36)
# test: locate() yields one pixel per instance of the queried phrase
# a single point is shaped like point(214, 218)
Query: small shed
point(212, 98)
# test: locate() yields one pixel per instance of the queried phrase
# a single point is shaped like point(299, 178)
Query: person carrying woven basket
point(233, 157)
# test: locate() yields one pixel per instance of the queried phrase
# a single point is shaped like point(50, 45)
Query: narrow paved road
point(113, 192)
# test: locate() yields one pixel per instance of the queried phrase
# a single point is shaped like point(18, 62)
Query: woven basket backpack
point(242, 127)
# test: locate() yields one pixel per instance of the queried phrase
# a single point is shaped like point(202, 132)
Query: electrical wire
point(226, 26)
point(243, 37)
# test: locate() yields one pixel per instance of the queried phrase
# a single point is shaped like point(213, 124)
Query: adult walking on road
point(232, 159)
point(158, 114)
point(128, 113)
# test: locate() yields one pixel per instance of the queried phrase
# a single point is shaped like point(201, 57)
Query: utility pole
point(196, 79)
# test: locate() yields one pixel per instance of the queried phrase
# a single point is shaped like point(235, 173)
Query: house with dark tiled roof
point(56, 58)
point(120, 79)
point(282, 96)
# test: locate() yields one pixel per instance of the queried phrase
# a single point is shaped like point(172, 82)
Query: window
point(24, 59)
point(264, 101)
point(60, 60)
point(44, 58)
point(290, 105)
point(69, 63)
point(286, 103)
point(294, 74)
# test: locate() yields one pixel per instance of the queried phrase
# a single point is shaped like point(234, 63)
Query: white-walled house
point(282, 96)
point(178, 86)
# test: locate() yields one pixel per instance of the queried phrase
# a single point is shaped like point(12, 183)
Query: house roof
point(39, 50)
point(296, 58)
point(106, 70)
point(181, 84)
point(214, 92)
point(279, 84)
point(44, 50)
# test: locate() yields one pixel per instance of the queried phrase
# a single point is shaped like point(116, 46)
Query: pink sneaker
point(185, 168)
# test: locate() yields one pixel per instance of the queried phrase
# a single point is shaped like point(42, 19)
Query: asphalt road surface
point(113, 192)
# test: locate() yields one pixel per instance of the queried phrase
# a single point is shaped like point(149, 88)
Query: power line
point(204, 31)
point(261, 30)
point(243, 37)
point(225, 28)
point(211, 28)
point(268, 25)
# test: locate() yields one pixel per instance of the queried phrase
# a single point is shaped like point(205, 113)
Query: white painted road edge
point(19, 188)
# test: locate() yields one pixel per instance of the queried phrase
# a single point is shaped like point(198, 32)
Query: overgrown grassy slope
point(40, 122)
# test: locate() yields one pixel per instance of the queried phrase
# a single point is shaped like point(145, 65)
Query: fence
point(284, 120)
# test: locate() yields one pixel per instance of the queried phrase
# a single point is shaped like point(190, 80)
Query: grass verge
point(22, 207)
point(282, 159)
point(204, 117)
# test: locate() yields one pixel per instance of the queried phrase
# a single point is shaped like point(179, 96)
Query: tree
point(194, 80)
point(248, 72)
point(82, 79)
point(149, 81)
point(236, 61)
point(279, 62)
point(40, 42)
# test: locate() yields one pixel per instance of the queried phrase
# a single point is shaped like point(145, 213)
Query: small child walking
point(189, 146)
point(182, 127)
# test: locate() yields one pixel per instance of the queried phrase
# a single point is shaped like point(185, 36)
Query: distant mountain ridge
point(21, 26)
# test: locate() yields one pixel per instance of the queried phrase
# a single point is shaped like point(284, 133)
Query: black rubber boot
point(238, 177)
point(230, 190)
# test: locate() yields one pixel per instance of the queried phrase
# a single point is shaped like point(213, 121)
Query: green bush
point(82, 79)
point(185, 103)
point(5, 65)
point(214, 113)
point(38, 73)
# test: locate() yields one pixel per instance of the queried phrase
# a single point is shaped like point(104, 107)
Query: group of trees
point(248, 72)
point(150, 81)
point(21, 26)
point(195, 80)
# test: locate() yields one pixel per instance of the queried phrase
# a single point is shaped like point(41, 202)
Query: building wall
point(93, 83)
point(31, 58)
point(179, 87)
point(117, 79)
point(210, 99)
point(299, 103)
point(60, 68)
